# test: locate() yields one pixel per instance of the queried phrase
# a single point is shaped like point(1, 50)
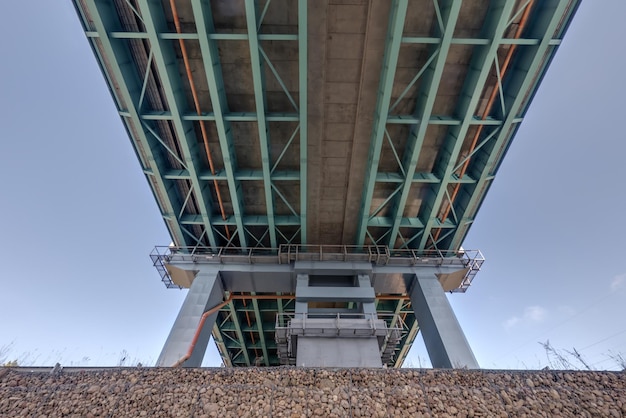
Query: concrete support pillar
point(302, 282)
point(325, 339)
point(444, 339)
point(367, 307)
point(205, 293)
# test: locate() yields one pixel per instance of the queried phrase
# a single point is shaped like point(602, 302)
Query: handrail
point(285, 254)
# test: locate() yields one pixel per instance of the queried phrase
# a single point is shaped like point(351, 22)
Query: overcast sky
point(78, 220)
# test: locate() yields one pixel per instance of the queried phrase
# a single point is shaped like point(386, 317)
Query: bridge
point(320, 158)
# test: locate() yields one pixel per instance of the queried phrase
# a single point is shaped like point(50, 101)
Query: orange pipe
point(199, 330)
point(196, 102)
point(490, 102)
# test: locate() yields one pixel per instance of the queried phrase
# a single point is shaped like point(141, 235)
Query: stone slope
point(300, 392)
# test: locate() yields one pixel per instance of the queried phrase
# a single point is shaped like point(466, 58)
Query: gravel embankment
point(291, 392)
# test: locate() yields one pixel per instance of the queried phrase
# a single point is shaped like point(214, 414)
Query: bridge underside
point(267, 123)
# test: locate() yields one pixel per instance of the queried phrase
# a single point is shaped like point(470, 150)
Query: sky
point(78, 219)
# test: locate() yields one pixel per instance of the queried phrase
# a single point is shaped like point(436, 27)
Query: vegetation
point(572, 360)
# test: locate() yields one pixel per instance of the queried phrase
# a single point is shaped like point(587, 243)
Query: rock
point(554, 394)
point(93, 389)
point(259, 392)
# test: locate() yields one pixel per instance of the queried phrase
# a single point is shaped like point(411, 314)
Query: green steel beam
point(394, 319)
point(167, 67)
point(279, 305)
point(255, 175)
point(387, 222)
point(302, 93)
point(535, 63)
point(443, 120)
point(410, 338)
point(221, 347)
point(231, 117)
point(289, 37)
point(260, 100)
point(427, 178)
point(249, 220)
point(239, 332)
point(247, 117)
point(259, 323)
point(388, 71)
point(121, 72)
point(423, 110)
point(240, 175)
point(382, 177)
point(480, 67)
point(474, 41)
point(195, 36)
point(210, 58)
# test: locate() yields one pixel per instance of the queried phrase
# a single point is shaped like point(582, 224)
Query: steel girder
point(238, 331)
point(113, 37)
point(532, 60)
point(230, 117)
point(448, 164)
point(423, 110)
point(195, 36)
point(259, 324)
point(480, 67)
point(240, 175)
point(166, 63)
point(221, 346)
point(289, 37)
point(388, 71)
point(303, 102)
point(260, 102)
point(118, 68)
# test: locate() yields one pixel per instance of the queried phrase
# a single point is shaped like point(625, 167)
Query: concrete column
point(367, 307)
point(302, 282)
point(444, 339)
point(205, 293)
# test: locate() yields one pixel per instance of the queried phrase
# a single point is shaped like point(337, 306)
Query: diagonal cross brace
point(423, 111)
point(121, 69)
point(528, 75)
point(165, 62)
point(260, 101)
point(480, 67)
point(210, 58)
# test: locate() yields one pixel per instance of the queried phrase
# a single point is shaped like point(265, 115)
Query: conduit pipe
point(199, 330)
point(196, 102)
point(490, 102)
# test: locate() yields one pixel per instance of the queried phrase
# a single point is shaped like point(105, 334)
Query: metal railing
point(389, 329)
point(392, 321)
point(285, 254)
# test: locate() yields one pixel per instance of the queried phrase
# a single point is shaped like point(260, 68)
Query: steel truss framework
point(137, 53)
point(142, 53)
point(433, 226)
point(244, 332)
point(136, 47)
